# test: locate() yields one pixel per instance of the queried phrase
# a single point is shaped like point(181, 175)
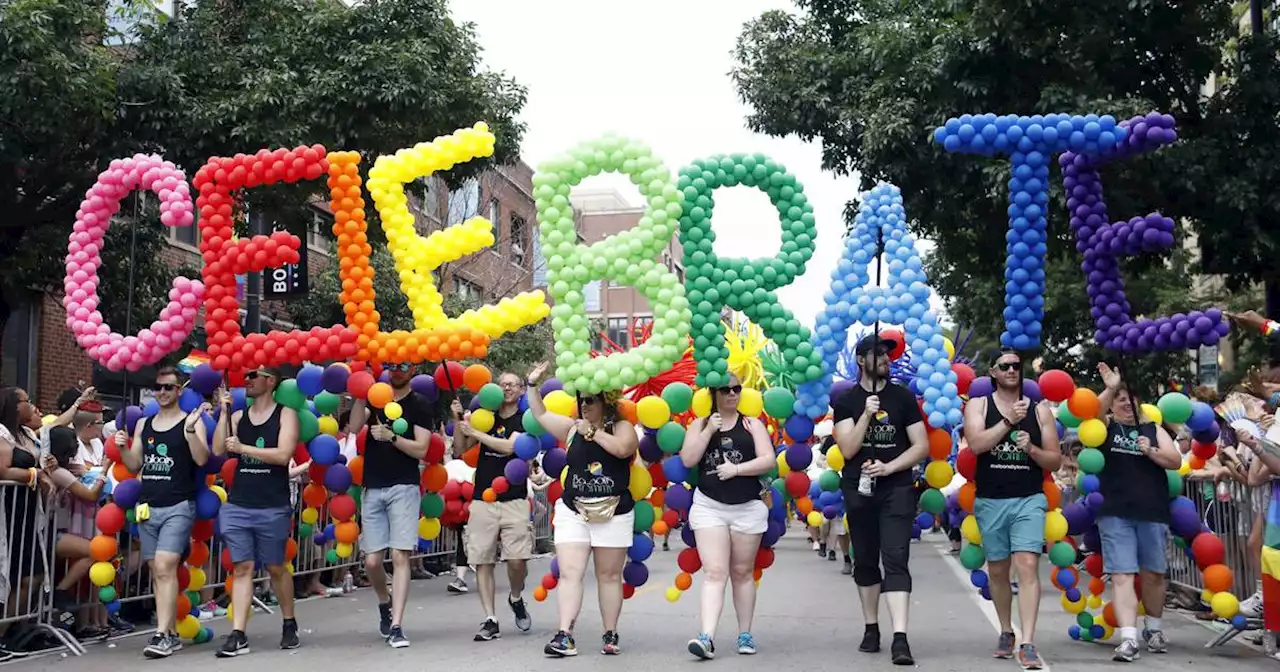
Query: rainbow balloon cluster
point(84, 247)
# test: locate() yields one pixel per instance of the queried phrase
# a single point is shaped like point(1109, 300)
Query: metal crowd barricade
point(27, 567)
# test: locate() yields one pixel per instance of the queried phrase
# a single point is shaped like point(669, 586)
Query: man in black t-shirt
point(389, 510)
point(497, 516)
point(881, 434)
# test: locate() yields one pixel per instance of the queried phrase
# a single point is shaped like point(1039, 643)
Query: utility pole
point(253, 282)
point(1255, 16)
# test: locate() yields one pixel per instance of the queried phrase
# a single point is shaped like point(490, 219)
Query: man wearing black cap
point(881, 434)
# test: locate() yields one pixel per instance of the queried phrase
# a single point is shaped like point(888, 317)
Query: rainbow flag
point(192, 360)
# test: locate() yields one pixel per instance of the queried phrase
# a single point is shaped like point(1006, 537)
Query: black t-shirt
point(493, 464)
point(259, 485)
point(595, 472)
point(384, 464)
point(736, 445)
point(886, 437)
point(168, 472)
point(1132, 486)
point(1005, 471)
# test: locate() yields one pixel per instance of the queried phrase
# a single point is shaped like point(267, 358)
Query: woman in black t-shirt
point(595, 517)
point(728, 517)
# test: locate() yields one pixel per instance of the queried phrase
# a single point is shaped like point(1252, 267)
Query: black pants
point(880, 533)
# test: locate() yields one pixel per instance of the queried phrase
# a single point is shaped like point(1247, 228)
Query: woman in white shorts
point(728, 516)
point(595, 517)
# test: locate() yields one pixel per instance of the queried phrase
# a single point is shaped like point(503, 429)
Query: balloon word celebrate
point(1084, 143)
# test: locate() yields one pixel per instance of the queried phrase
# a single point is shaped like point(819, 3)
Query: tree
point(870, 80)
point(321, 307)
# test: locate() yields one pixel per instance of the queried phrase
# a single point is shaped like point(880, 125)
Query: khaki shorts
point(505, 521)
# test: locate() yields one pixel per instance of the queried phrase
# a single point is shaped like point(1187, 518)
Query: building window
point(464, 202)
point(617, 331)
point(495, 211)
point(21, 338)
point(519, 233)
point(318, 234)
point(468, 291)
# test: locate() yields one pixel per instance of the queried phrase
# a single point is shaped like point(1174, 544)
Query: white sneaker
point(1252, 606)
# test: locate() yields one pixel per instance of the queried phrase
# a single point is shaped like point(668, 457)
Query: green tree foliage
point(870, 79)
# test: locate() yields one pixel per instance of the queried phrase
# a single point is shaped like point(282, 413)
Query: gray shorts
point(168, 529)
point(255, 534)
point(389, 518)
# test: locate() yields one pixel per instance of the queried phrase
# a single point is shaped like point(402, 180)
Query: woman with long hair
point(76, 499)
point(594, 518)
point(728, 515)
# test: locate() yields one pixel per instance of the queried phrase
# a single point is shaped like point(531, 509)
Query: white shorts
point(570, 528)
point(749, 518)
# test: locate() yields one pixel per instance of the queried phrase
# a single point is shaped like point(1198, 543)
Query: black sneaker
point(610, 646)
point(488, 630)
point(822, 550)
point(162, 646)
point(831, 555)
point(289, 635)
point(561, 646)
point(900, 651)
point(384, 620)
point(119, 625)
point(458, 587)
point(522, 614)
point(235, 644)
point(396, 639)
point(870, 641)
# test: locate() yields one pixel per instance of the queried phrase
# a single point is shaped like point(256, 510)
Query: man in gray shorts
point(389, 515)
point(165, 451)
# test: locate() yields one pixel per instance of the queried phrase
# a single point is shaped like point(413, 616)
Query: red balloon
point(468, 491)
point(358, 384)
point(362, 438)
point(689, 561)
point(184, 577)
point(549, 581)
point(452, 490)
point(449, 376)
point(671, 517)
point(1208, 550)
point(659, 477)
point(110, 519)
point(797, 483)
point(202, 530)
point(111, 451)
point(899, 342)
point(1056, 385)
point(1204, 451)
point(764, 558)
point(225, 559)
point(964, 376)
point(967, 463)
point(628, 590)
point(342, 507)
point(554, 491)
point(435, 450)
point(300, 454)
point(500, 485)
point(228, 471)
point(1093, 565)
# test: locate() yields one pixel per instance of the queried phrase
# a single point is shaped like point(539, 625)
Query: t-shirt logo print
point(1126, 442)
point(882, 416)
point(156, 463)
point(596, 484)
point(246, 460)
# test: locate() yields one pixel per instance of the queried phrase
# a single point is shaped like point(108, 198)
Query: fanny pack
point(597, 509)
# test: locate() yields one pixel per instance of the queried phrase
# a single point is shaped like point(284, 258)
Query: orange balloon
point(966, 496)
point(184, 605)
point(627, 409)
point(315, 495)
point(1196, 462)
point(757, 574)
point(380, 394)
point(804, 505)
point(476, 376)
point(1109, 614)
point(1053, 494)
point(102, 548)
point(290, 549)
point(658, 498)
point(210, 479)
point(199, 554)
point(684, 580)
point(939, 444)
point(228, 587)
point(659, 528)
point(346, 533)
point(1096, 586)
point(1218, 578)
point(539, 594)
point(489, 495)
point(120, 472)
point(356, 467)
point(1084, 404)
point(434, 478)
point(471, 457)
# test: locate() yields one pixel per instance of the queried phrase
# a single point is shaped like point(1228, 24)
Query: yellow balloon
point(560, 403)
point(673, 593)
point(428, 528)
point(310, 516)
point(344, 550)
point(702, 402)
point(751, 402)
point(1225, 605)
point(1055, 526)
point(938, 474)
point(1072, 607)
point(220, 492)
point(1184, 469)
point(1206, 596)
point(481, 419)
point(783, 469)
point(564, 473)
point(1153, 414)
point(198, 579)
point(1092, 432)
point(1094, 601)
point(188, 627)
point(102, 574)
point(231, 617)
point(653, 412)
point(393, 410)
point(328, 425)
point(641, 482)
point(950, 348)
point(288, 567)
point(835, 458)
point(969, 528)
point(1107, 631)
point(814, 519)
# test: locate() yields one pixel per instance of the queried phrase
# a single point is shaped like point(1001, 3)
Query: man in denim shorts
point(389, 516)
point(1134, 516)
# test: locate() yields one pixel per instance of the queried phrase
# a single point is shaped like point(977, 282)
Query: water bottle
point(1223, 494)
point(348, 584)
point(866, 484)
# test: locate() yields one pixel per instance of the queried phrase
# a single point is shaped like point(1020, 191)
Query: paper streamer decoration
point(417, 257)
point(626, 258)
point(84, 247)
point(744, 284)
point(904, 301)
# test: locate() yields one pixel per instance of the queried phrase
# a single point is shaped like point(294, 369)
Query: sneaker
point(702, 647)
point(396, 638)
point(235, 644)
point(522, 614)
point(666, 546)
point(746, 644)
point(488, 630)
point(1029, 658)
point(561, 646)
point(1127, 652)
point(848, 567)
point(609, 645)
point(458, 587)
point(822, 550)
point(1251, 607)
point(900, 651)
point(831, 555)
point(1004, 647)
point(816, 546)
point(162, 646)
point(289, 635)
point(870, 641)
point(384, 620)
point(1156, 641)
point(119, 625)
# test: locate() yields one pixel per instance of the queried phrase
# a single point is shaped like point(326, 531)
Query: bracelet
point(1269, 327)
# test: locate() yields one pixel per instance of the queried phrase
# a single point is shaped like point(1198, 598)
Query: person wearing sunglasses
point(389, 510)
point(256, 520)
point(728, 516)
point(1016, 443)
point(595, 517)
point(504, 520)
point(165, 451)
point(882, 436)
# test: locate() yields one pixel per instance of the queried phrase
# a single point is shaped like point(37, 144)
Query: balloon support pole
point(261, 606)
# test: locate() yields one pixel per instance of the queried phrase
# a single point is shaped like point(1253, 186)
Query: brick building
point(40, 354)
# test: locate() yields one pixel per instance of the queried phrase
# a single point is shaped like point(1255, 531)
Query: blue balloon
point(641, 548)
point(207, 504)
point(1074, 632)
point(189, 400)
point(979, 578)
point(1201, 417)
point(324, 449)
point(548, 442)
point(675, 470)
point(239, 399)
point(310, 380)
point(150, 408)
point(527, 446)
point(799, 427)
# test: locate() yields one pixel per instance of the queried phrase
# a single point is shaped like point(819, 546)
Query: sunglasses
point(254, 375)
point(169, 387)
point(402, 366)
point(587, 401)
point(732, 389)
point(1009, 366)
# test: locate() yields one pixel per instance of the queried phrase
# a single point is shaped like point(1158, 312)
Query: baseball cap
point(70, 395)
point(867, 342)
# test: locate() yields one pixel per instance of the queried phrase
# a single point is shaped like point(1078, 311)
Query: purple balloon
point(337, 478)
point(426, 386)
point(679, 498)
point(650, 451)
point(1184, 522)
point(1031, 390)
point(840, 387)
point(1092, 540)
point(551, 385)
point(1079, 518)
point(554, 570)
point(773, 533)
point(126, 493)
point(981, 387)
point(1094, 500)
point(205, 380)
point(799, 456)
point(334, 380)
point(132, 414)
point(214, 464)
point(687, 536)
point(635, 574)
point(553, 462)
point(516, 471)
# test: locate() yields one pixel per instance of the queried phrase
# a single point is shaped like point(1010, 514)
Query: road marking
point(985, 606)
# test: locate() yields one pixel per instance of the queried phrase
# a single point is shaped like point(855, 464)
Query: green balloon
point(1175, 482)
point(1084, 619)
point(1065, 417)
point(932, 501)
point(288, 394)
point(531, 425)
point(973, 557)
point(490, 396)
point(131, 515)
point(331, 556)
point(306, 531)
point(400, 426)
point(671, 438)
point(308, 425)
point(678, 396)
point(327, 403)
point(1180, 543)
point(1175, 407)
point(1091, 460)
point(779, 403)
point(829, 481)
point(107, 594)
point(644, 516)
point(780, 484)
point(432, 505)
point(357, 493)
point(1062, 554)
point(1086, 635)
point(694, 477)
